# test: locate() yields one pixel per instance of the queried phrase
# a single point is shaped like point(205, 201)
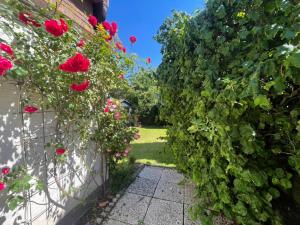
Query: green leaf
point(14, 202)
point(294, 59)
point(263, 102)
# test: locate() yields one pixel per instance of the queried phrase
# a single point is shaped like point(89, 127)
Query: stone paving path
point(156, 197)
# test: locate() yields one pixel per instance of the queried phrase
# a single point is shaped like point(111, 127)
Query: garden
point(90, 130)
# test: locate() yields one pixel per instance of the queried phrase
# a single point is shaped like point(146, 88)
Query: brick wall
point(76, 10)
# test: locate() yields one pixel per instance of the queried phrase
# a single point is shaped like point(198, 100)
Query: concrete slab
point(187, 217)
point(171, 175)
point(161, 212)
point(153, 173)
point(169, 191)
point(131, 208)
point(143, 186)
point(113, 222)
point(189, 193)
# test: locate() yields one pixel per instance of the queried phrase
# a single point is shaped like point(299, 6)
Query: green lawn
point(151, 150)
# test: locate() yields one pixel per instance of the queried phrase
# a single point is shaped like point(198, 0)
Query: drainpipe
point(100, 8)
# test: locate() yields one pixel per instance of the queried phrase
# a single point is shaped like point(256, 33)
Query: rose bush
point(70, 71)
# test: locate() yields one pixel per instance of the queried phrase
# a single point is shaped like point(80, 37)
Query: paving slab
point(143, 186)
point(189, 193)
point(161, 212)
point(187, 217)
point(169, 191)
point(113, 222)
point(131, 208)
point(153, 173)
point(171, 175)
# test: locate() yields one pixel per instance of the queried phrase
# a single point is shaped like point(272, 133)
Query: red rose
point(121, 76)
point(2, 186)
point(119, 46)
point(93, 21)
point(5, 170)
point(109, 102)
point(106, 109)
point(60, 151)
point(113, 29)
point(124, 49)
point(30, 109)
point(106, 25)
point(81, 43)
point(149, 60)
point(117, 115)
point(5, 65)
point(55, 28)
point(6, 48)
point(36, 24)
point(132, 39)
point(26, 18)
point(77, 63)
point(80, 87)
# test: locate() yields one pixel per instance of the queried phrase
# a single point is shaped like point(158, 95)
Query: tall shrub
point(230, 83)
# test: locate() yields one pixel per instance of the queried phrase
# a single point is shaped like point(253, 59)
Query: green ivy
point(230, 89)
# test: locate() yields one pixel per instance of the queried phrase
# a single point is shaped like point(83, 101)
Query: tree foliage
point(230, 87)
point(145, 95)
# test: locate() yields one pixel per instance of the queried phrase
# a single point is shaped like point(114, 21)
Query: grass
point(150, 149)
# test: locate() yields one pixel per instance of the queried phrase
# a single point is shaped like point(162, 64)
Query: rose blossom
point(93, 20)
point(117, 115)
point(81, 43)
point(114, 28)
point(26, 18)
point(77, 63)
point(80, 87)
point(2, 186)
point(5, 65)
point(106, 25)
point(6, 48)
point(119, 46)
point(56, 28)
point(5, 170)
point(30, 109)
point(60, 151)
point(132, 39)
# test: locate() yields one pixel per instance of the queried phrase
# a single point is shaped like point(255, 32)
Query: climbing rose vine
point(72, 73)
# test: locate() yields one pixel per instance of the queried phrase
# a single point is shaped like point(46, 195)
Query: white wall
point(24, 145)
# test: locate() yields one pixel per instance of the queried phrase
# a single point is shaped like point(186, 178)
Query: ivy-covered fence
point(60, 132)
point(230, 86)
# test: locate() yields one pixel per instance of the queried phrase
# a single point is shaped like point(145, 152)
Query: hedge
point(230, 88)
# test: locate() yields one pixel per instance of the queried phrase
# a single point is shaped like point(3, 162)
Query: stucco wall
point(22, 143)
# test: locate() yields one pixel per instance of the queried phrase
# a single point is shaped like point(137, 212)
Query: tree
point(145, 96)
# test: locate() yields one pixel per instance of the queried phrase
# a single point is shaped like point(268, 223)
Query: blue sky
point(143, 19)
